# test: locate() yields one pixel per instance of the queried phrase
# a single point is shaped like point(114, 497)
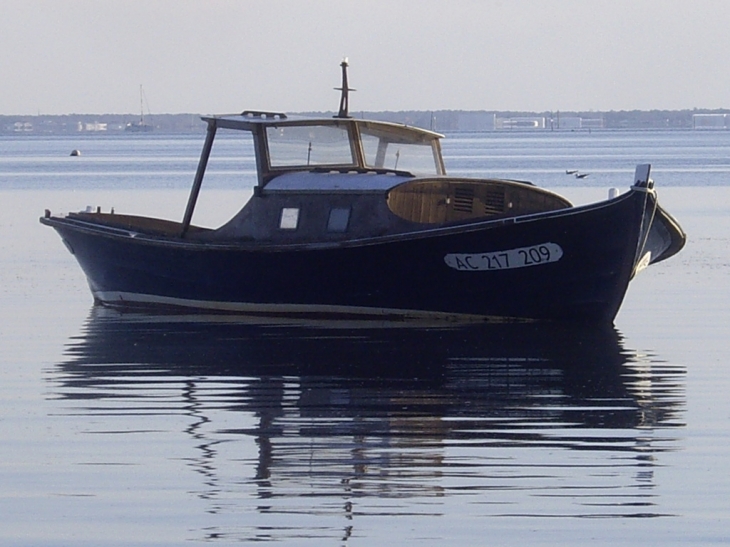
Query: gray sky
point(215, 56)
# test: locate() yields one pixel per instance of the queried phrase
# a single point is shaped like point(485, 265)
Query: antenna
point(345, 89)
point(141, 106)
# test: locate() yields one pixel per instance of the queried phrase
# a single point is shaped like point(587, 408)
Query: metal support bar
point(202, 164)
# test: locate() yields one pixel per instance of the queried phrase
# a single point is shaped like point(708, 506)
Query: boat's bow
point(661, 235)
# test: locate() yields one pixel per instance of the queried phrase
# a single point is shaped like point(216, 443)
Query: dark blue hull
point(573, 264)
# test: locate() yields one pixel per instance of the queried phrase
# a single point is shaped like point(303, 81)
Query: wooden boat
point(353, 217)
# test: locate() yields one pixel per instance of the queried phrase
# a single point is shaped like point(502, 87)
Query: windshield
point(384, 151)
point(309, 145)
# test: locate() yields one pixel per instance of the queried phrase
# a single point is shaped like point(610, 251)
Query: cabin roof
point(249, 120)
point(336, 181)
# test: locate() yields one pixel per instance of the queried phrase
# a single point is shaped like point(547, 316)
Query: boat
point(358, 218)
point(140, 126)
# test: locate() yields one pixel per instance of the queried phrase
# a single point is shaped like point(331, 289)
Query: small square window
point(289, 218)
point(339, 219)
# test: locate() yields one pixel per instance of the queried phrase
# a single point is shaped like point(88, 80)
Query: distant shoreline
point(437, 120)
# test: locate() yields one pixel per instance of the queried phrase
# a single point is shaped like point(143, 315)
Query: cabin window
point(384, 153)
point(309, 145)
point(289, 219)
point(339, 219)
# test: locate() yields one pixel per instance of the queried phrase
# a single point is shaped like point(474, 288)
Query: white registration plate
point(523, 257)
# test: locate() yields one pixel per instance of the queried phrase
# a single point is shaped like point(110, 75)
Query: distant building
point(568, 122)
point(93, 126)
point(577, 122)
point(22, 127)
point(523, 122)
point(710, 121)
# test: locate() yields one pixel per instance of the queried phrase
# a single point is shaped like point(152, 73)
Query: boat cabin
point(332, 179)
point(324, 180)
point(335, 179)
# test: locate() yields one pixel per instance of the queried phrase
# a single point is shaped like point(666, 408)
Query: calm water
point(153, 430)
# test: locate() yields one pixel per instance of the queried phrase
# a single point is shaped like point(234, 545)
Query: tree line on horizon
point(438, 120)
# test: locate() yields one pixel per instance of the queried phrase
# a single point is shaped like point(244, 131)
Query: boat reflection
point(285, 411)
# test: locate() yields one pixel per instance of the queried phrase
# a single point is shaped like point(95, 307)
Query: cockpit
point(285, 144)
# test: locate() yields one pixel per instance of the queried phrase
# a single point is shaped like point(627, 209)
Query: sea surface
point(129, 429)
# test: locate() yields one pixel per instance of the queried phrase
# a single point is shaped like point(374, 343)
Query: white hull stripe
point(127, 299)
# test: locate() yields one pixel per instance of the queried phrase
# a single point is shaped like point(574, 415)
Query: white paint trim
point(643, 263)
point(137, 300)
